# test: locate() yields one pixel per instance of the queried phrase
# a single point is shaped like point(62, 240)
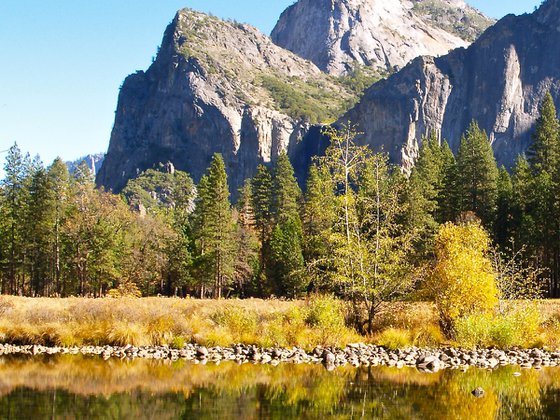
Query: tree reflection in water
point(86, 387)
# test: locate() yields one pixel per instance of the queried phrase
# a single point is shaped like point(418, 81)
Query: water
point(69, 387)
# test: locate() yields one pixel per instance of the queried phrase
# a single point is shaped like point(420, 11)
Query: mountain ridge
point(499, 81)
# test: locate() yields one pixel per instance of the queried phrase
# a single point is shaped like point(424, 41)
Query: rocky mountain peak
point(338, 35)
point(216, 87)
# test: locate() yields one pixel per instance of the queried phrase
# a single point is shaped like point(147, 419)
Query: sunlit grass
point(266, 323)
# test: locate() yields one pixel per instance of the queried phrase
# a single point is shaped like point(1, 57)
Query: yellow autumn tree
point(462, 281)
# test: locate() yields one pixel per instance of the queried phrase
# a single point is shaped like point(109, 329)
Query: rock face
point(94, 163)
point(215, 86)
point(337, 35)
point(498, 81)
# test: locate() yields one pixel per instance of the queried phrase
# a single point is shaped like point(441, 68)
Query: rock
point(339, 35)
point(328, 357)
point(202, 352)
point(478, 392)
point(499, 81)
point(211, 89)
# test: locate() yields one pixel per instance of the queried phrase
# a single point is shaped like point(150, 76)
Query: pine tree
point(477, 175)
point(261, 196)
point(286, 198)
point(426, 195)
point(544, 153)
point(59, 179)
point(545, 161)
point(40, 238)
point(504, 215)
point(15, 190)
point(214, 227)
point(286, 262)
point(248, 250)
point(286, 194)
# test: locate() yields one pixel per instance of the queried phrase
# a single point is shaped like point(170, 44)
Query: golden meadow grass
point(266, 323)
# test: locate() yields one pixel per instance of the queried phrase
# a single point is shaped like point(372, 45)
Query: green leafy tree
point(368, 249)
point(318, 214)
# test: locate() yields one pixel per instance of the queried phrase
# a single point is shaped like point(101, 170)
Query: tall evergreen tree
point(545, 160)
point(286, 261)
point(504, 225)
point(477, 175)
point(286, 194)
point(215, 233)
point(59, 179)
point(247, 255)
point(426, 190)
point(40, 238)
point(14, 189)
point(286, 253)
point(544, 153)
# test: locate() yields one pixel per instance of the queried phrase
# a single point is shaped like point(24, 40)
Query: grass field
point(266, 323)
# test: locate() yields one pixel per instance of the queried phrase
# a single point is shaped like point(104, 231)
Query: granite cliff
point(499, 81)
point(217, 86)
point(338, 35)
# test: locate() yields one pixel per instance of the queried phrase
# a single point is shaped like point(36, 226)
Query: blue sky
point(62, 62)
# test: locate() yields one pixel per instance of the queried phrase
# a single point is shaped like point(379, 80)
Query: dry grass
point(267, 323)
point(164, 321)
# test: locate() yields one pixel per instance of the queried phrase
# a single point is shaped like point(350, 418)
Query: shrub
point(241, 323)
point(394, 338)
point(462, 281)
point(325, 312)
point(518, 327)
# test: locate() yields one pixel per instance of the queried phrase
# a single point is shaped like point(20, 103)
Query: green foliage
point(427, 190)
point(516, 327)
point(286, 195)
point(318, 215)
point(368, 253)
point(544, 153)
point(301, 100)
point(477, 175)
point(214, 229)
point(286, 259)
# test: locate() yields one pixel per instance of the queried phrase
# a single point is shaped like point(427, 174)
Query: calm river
point(72, 387)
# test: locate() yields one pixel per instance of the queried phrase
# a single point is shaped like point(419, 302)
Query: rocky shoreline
point(428, 360)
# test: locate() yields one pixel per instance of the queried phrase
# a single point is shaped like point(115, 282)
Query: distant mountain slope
point(94, 163)
point(338, 35)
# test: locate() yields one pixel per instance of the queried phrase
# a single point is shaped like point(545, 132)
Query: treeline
point(362, 229)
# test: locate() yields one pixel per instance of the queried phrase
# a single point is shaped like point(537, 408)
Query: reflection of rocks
point(425, 360)
point(478, 392)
